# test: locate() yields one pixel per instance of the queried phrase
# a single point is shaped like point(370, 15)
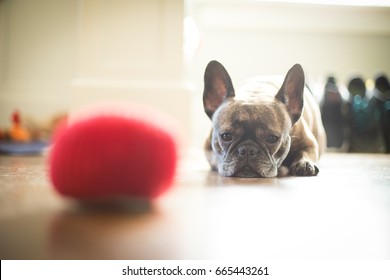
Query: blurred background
point(59, 55)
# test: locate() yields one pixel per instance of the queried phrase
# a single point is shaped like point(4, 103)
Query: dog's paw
point(304, 168)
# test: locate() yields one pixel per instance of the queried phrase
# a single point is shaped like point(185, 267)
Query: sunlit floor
point(343, 213)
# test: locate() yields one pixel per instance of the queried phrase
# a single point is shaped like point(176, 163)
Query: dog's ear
point(217, 87)
point(291, 92)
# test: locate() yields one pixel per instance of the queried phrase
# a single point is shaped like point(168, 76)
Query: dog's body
point(265, 125)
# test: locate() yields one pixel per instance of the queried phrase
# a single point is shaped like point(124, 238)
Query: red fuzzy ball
point(107, 156)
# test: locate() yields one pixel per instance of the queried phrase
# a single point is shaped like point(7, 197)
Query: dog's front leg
point(303, 165)
point(304, 153)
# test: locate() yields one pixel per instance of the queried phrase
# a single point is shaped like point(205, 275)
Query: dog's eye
point(272, 139)
point(227, 137)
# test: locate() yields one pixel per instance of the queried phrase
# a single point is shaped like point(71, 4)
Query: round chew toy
point(114, 156)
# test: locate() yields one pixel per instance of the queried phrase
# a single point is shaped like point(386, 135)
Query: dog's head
point(251, 136)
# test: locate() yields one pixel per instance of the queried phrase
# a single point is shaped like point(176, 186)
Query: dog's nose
point(247, 150)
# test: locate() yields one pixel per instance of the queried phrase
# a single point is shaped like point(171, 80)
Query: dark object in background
point(364, 120)
point(381, 100)
point(332, 114)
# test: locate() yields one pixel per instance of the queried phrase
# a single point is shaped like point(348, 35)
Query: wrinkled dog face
point(250, 137)
point(249, 144)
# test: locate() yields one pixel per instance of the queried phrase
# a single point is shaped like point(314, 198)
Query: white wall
point(37, 56)
point(65, 54)
point(132, 51)
point(263, 37)
point(254, 37)
point(62, 54)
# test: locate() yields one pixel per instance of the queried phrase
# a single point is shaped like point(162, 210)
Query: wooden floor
point(343, 213)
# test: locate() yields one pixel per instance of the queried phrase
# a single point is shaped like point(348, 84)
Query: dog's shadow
point(213, 179)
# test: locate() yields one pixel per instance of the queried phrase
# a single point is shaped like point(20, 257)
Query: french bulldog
point(263, 126)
